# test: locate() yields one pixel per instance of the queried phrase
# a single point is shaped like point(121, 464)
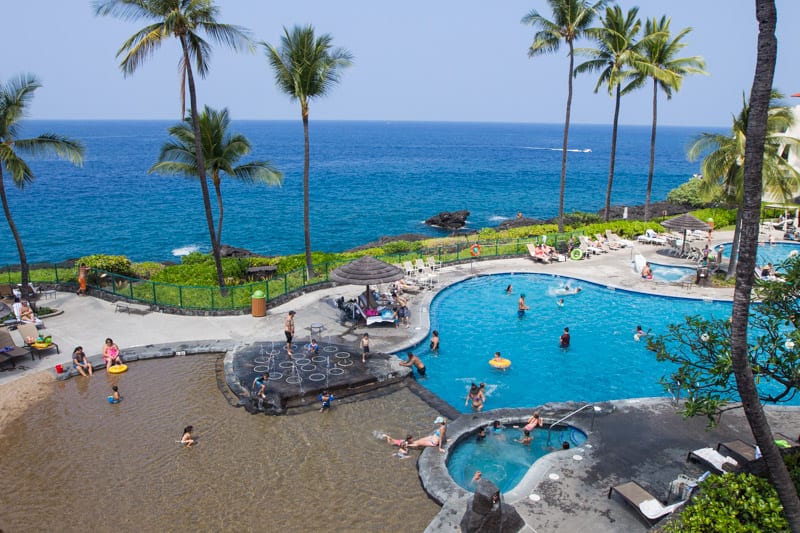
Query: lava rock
point(449, 220)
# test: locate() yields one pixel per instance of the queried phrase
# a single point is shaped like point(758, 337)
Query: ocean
point(368, 179)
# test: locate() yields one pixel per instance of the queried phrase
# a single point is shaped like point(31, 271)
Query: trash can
point(258, 303)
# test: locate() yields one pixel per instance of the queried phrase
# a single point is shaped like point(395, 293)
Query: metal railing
point(573, 413)
point(195, 297)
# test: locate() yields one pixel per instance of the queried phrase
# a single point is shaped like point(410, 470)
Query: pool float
point(112, 400)
point(41, 345)
point(117, 369)
point(576, 254)
point(502, 362)
point(475, 250)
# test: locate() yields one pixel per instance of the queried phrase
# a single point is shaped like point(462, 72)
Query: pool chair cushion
point(714, 460)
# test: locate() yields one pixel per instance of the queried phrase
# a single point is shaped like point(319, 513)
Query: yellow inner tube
point(40, 345)
point(500, 363)
point(117, 369)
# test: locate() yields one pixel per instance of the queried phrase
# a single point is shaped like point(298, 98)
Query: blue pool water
point(503, 460)
point(671, 273)
point(770, 253)
point(475, 318)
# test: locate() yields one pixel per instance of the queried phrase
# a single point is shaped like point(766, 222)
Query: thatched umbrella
point(367, 271)
point(685, 222)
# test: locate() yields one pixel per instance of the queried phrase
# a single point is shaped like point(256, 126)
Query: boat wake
point(576, 150)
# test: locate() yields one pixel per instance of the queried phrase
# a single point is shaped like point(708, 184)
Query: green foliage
point(732, 503)
point(691, 193)
point(147, 269)
point(396, 247)
point(116, 264)
point(579, 218)
point(486, 234)
point(194, 258)
point(721, 217)
point(792, 461)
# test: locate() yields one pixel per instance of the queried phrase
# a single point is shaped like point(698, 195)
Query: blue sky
point(446, 60)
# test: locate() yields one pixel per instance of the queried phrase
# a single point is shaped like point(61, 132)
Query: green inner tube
point(576, 254)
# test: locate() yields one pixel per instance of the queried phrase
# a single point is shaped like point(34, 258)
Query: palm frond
point(49, 144)
point(21, 173)
point(258, 172)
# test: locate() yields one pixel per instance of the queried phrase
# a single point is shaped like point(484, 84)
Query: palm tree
point(617, 50)
point(15, 96)
point(756, 154)
point(571, 19)
point(182, 19)
point(221, 151)
point(659, 62)
point(723, 166)
point(306, 67)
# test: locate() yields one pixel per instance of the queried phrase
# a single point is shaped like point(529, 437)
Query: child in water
point(435, 342)
point(187, 439)
point(526, 437)
point(115, 397)
point(326, 398)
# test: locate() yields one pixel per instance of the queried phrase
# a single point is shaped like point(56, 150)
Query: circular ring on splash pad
point(275, 376)
point(294, 347)
point(300, 361)
point(293, 380)
point(319, 359)
point(335, 371)
point(342, 355)
point(330, 349)
point(316, 377)
point(345, 362)
point(286, 364)
point(308, 368)
point(261, 369)
point(273, 352)
point(261, 360)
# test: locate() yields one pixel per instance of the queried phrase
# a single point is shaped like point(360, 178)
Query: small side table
point(315, 329)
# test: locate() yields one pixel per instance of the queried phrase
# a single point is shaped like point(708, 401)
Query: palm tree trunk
point(306, 214)
point(218, 190)
point(750, 215)
point(613, 154)
point(652, 152)
point(23, 260)
point(566, 139)
point(737, 236)
point(201, 164)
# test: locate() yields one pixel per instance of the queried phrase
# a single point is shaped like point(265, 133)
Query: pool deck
point(641, 439)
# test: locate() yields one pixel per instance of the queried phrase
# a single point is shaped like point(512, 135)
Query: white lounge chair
point(713, 460)
point(613, 237)
point(537, 254)
point(647, 506)
point(651, 237)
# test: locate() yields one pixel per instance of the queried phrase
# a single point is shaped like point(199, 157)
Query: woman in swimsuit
point(436, 439)
point(111, 354)
point(474, 395)
point(535, 421)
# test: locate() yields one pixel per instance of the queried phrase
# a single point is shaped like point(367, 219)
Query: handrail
point(575, 412)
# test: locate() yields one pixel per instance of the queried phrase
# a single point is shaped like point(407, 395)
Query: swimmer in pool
point(435, 342)
point(563, 341)
point(115, 397)
point(474, 396)
point(560, 302)
point(508, 289)
point(526, 438)
point(535, 421)
point(398, 442)
point(640, 331)
point(521, 306)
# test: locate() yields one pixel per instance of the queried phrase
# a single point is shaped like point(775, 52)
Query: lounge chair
point(588, 247)
point(382, 315)
point(29, 331)
point(433, 264)
point(739, 450)
point(613, 237)
point(607, 243)
point(420, 266)
point(537, 254)
point(651, 237)
point(10, 350)
point(714, 460)
point(408, 269)
point(647, 506)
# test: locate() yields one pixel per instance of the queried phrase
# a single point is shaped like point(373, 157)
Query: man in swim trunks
point(521, 307)
point(564, 340)
point(288, 330)
point(414, 361)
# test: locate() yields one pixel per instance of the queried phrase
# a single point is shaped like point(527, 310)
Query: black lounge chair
point(9, 351)
point(739, 450)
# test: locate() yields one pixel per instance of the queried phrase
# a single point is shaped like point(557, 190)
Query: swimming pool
point(476, 317)
point(770, 253)
point(503, 460)
point(672, 273)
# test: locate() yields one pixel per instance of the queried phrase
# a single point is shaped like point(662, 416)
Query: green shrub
point(147, 269)
point(732, 503)
point(396, 247)
point(721, 217)
point(691, 193)
point(117, 264)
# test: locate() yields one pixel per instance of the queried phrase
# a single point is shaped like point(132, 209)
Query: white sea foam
point(185, 250)
point(498, 218)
